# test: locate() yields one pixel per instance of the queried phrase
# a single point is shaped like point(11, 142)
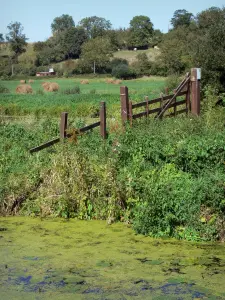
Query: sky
point(37, 16)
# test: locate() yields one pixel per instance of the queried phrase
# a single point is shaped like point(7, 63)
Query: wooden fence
point(189, 88)
point(64, 130)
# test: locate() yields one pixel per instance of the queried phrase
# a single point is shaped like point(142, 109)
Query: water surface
point(59, 259)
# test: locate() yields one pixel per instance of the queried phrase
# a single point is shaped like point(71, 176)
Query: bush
point(74, 90)
point(123, 72)
point(172, 82)
point(3, 89)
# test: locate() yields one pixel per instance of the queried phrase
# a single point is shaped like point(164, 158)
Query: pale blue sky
point(37, 15)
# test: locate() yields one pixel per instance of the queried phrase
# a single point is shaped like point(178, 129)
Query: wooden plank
point(103, 120)
point(130, 113)
point(172, 99)
point(139, 115)
point(124, 100)
point(84, 129)
point(45, 145)
point(187, 75)
point(140, 104)
point(195, 93)
point(63, 125)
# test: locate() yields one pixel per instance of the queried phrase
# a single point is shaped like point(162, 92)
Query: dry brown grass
point(23, 81)
point(85, 81)
point(31, 81)
point(50, 86)
point(24, 89)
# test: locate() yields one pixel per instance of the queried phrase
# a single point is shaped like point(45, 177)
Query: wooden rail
point(189, 87)
point(63, 129)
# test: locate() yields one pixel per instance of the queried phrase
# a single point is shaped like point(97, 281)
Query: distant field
point(80, 105)
point(131, 55)
point(143, 85)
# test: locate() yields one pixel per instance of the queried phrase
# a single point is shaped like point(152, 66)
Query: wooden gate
point(187, 95)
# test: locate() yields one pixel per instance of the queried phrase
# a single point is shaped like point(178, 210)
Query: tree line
point(192, 41)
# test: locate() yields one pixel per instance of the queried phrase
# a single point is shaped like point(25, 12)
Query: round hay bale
point(85, 81)
point(53, 87)
point(50, 86)
point(109, 80)
point(31, 81)
point(23, 81)
point(24, 89)
point(117, 81)
point(45, 85)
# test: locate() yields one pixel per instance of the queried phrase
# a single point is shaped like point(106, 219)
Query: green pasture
point(153, 84)
point(82, 105)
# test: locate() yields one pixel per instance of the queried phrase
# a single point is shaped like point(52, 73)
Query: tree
point(1, 38)
point(206, 18)
point(141, 29)
point(16, 39)
point(95, 26)
point(181, 17)
point(96, 53)
point(62, 23)
point(72, 40)
point(208, 46)
point(39, 46)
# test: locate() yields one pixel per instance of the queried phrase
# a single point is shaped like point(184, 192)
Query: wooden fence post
point(147, 106)
point(103, 120)
point(124, 104)
point(130, 113)
point(195, 91)
point(63, 125)
point(161, 104)
point(167, 91)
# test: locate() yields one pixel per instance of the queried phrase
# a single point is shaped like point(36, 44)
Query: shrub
point(3, 89)
point(122, 71)
point(172, 82)
point(92, 91)
point(74, 90)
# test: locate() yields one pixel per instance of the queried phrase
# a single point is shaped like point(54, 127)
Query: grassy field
point(146, 84)
point(130, 55)
point(83, 104)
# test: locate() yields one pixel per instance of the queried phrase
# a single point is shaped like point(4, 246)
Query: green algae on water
point(58, 259)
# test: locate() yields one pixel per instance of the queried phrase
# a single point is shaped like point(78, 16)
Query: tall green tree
point(62, 23)
point(181, 17)
point(1, 38)
point(17, 39)
point(96, 53)
point(71, 42)
point(141, 29)
point(95, 26)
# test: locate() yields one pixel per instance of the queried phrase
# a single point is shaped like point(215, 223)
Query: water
point(57, 259)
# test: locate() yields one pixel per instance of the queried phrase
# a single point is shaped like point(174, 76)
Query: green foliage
point(95, 26)
point(3, 89)
point(172, 82)
point(123, 71)
point(141, 29)
point(71, 42)
point(142, 65)
point(181, 17)
point(74, 90)
point(96, 52)
point(1, 38)
point(16, 38)
point(62, 23)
